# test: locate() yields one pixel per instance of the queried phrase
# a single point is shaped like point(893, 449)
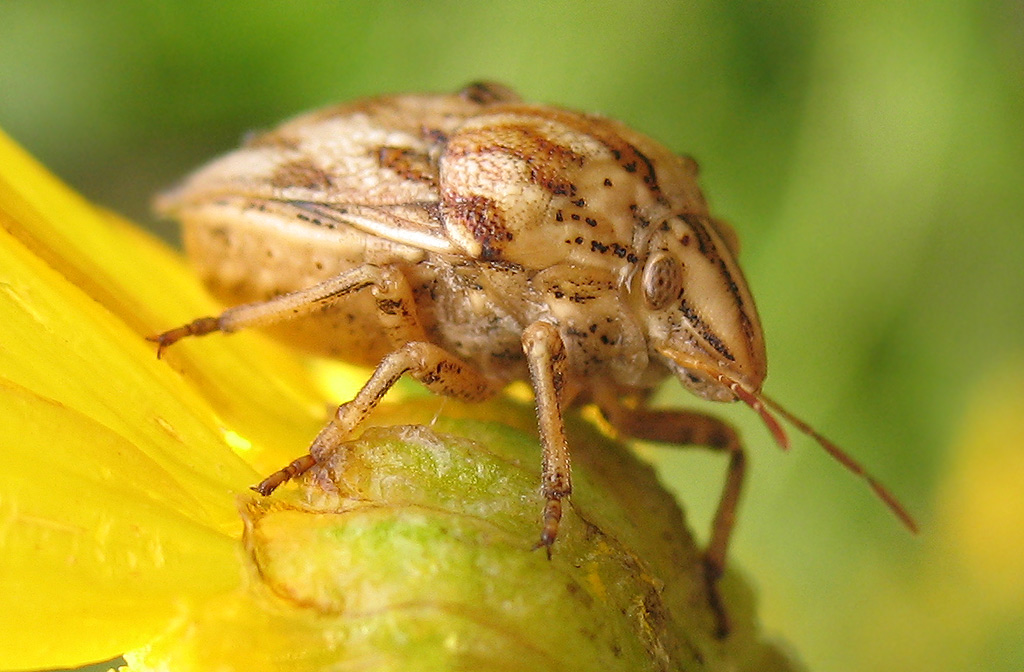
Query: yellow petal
point(981, 513)
point(257, 388)
point(117, 482)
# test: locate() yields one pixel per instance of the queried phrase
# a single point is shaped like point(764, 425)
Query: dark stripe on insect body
point(620, 251)
point(745, 323)
point(345, 291)
point(631, 159)
point(704, 241)
point(704, 331)
point(575, 297)
point(707, 247)
point(315, 221)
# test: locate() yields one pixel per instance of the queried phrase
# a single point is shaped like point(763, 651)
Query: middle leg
point(430, 364)
point(546, 358)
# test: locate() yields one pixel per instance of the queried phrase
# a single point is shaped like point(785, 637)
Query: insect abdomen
point(247, 254)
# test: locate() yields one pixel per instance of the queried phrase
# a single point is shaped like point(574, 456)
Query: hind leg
point(685, 428)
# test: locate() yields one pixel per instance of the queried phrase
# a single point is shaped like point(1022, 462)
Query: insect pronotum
point(471, 240)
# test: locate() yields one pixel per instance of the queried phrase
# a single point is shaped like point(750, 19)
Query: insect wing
point(371, 165)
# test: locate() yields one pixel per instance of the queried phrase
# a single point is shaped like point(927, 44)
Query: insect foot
point(472, 240)
point(292, 470)
point(199, 327)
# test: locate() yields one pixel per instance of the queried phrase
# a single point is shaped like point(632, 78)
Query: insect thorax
point(479, 311)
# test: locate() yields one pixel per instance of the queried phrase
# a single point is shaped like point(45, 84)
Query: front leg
point(437, 369)
point(685, 428)
point(395, 305)
point(545, 355)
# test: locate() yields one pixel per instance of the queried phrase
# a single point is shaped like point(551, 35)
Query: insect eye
point(663, 279)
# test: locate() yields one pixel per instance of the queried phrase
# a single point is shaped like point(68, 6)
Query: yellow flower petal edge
point(118, 485)
point(150, 289)
point(126, 525)
point(981, 512)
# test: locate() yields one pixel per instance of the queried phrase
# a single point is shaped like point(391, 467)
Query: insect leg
point(396, 307)
point(280, 308)
point(430, 364)
point(545, 354)
point(688, 428)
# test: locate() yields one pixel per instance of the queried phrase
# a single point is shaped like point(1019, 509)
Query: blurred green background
point(869, 154)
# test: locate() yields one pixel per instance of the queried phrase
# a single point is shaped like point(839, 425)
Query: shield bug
point(471, 240)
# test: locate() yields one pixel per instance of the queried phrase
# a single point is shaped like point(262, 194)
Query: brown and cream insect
point(472, 240)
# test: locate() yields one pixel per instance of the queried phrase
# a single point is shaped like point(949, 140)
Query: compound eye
point(663, 280)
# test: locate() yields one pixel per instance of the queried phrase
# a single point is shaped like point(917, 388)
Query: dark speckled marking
point(409, 165)
point(483, 220)
point(300, 173)
point(628, 156)
point(547, 160)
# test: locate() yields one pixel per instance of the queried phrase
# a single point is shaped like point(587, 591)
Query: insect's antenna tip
point(844, 459)
point(893, 504)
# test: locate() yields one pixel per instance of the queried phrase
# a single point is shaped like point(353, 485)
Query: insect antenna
point(844, 459)
point(761, 403)
point(754, 401)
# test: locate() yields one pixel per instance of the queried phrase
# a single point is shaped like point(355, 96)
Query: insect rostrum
point(471, 240)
